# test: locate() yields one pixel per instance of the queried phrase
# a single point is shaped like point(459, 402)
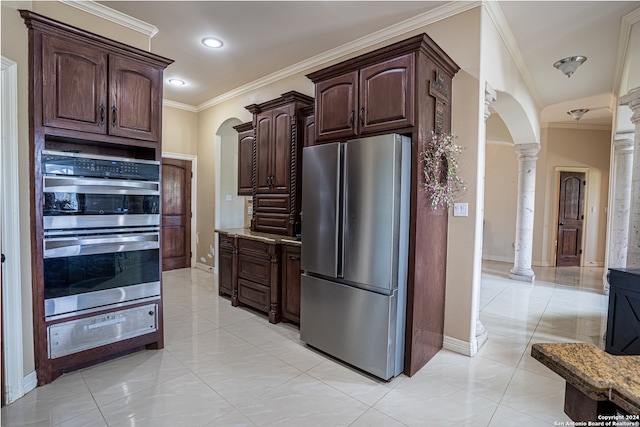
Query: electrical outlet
point(229, 197)
point(249, 210)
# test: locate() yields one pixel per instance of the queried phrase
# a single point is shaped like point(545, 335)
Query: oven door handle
point(92, 245)
point(55, 184)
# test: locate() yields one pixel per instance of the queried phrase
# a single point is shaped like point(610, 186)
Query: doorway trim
point(556, 200)
point(11, 273)
point(194, 187)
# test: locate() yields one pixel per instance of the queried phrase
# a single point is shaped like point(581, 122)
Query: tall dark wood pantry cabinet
point(97, 97)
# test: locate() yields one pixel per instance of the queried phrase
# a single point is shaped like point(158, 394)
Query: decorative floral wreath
point(440, 171)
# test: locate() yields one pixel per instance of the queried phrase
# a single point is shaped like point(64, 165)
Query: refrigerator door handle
point(342, 200)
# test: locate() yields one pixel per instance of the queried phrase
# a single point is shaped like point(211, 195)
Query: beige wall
point(179, 131)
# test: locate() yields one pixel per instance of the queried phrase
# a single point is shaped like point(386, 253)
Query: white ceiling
point(264, 37)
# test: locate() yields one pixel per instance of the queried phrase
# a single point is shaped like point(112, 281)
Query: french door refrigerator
point(355, 222)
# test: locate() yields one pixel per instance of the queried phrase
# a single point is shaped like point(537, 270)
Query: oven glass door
point(71, 202)
point(88, 271)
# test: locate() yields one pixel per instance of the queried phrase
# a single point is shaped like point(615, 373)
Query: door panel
point(263, 136)
point(336, 101)
point(281, 163)
point(176, 214)
point(570, 218)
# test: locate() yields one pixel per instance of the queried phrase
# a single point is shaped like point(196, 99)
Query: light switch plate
point(460, 209)
point(229, 197)
point(249, 210)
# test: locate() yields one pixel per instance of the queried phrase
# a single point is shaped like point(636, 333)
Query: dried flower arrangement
point(440, 169)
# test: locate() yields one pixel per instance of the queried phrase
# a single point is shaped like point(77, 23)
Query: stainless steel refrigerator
point(355, 222)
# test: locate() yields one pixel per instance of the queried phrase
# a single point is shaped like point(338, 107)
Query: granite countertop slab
point(598, 374)
point(256, 235)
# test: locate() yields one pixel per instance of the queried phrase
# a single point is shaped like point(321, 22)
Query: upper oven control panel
point(84, 165)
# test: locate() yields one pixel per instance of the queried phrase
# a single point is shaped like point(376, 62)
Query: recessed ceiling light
point(212, 42)
point(177, 82)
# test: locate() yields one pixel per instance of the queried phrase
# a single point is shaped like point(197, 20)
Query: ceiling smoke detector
point(577, 114)
point(569, 65)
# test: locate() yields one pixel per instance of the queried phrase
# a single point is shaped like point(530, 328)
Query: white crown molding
point(501, 24)
point(575, 126)
point(622, 58)
point(112, 15)
point(179, 105)
point(419, 21)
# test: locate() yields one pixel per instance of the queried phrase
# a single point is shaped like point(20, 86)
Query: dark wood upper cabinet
point(370, 100)
point(246, 137)
point(135, 98)
point(279, 130)
point(74, 83)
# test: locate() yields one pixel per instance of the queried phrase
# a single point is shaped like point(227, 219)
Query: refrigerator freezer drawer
point(352, 324)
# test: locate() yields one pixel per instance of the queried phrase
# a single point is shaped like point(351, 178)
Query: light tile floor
point(226, 366)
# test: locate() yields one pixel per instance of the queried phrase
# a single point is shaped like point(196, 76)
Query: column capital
point(623, 142)
point(490, 95)
point(632, 99)
point(529, 150)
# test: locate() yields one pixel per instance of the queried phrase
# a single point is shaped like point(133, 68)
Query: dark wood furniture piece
point(309, 131)
point(623, 319)
point(402, 88)
point(91, 94)
point(228, 266)
point(276, 165)
point(598, 385)
point(259, 276)
point(246, 136)
point(290, 276)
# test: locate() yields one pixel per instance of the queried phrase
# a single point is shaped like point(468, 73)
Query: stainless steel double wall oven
point(101, 218)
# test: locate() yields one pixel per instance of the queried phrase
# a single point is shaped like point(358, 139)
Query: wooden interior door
point(176, 214)
point(570, 218)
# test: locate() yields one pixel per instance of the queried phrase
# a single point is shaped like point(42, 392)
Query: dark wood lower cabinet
point(226, 258)
point(290, 283)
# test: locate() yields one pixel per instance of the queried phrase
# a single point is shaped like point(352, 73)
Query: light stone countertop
point(599, 375)
point(256, 235)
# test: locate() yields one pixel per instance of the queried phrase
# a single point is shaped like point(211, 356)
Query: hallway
point(226, 366)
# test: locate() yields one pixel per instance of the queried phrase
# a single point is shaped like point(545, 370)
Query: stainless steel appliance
point(355, 221)
point(101, 218)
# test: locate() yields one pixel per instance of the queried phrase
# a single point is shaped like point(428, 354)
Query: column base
point(481, 334)
point(522, 274)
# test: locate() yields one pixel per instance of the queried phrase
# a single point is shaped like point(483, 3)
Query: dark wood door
point(74, 85)
point(135, 99)
point(336, 105)
point(245, 159)
point(281, 150)
point(291, 283)
point(225, 267)
point(309, 133)
point(387, 95)
point(264, 123)
point(570, 218)
point(176, 214)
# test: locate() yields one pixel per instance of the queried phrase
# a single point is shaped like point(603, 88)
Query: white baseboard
point(497, 258)
point(458, 346)
point(205, 267)
point(30, 382)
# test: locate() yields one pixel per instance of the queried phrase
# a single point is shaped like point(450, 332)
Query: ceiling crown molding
point(500, 21)
point(112, 15)
point(622, 57)
point(179, 105)
point(414, 23)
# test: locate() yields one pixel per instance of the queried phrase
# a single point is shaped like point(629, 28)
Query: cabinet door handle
point(351, 115)
point(114, 119)
point(362, 116)
point(102, 114)
point(294, 257)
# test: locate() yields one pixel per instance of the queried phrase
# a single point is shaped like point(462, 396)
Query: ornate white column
point(620, 203)
point(632, 99)
point(482, 334)
point(527, 156)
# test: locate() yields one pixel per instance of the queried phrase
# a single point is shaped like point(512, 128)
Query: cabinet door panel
point(281, 154)
point(225, 276)
point(263, 147)
point(257, 270)
point(245, 163)
point(271, 222)
point(387, 95)
point(336, 104)
point(135, 99)
point(291, 283)
point(74, 85)
point(254, 294)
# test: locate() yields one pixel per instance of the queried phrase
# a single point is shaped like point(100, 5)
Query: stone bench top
point(599, 375)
